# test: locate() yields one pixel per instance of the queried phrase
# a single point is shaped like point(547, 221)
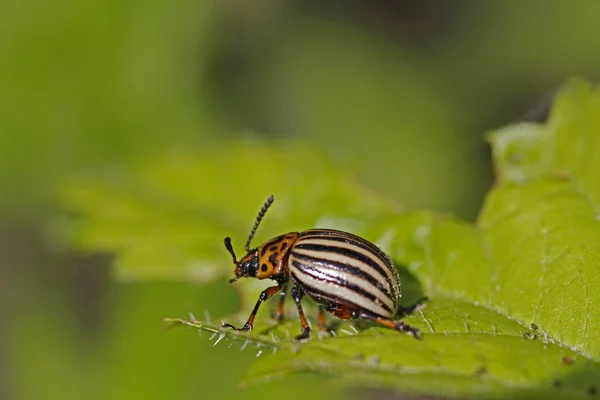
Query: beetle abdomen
point(340, 269)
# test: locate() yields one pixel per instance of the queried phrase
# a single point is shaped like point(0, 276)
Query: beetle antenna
point(259, 218)
point(229, 248)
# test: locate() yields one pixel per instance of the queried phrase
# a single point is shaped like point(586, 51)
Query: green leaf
point(514, 298)
point(542, 230)
point(463, 357)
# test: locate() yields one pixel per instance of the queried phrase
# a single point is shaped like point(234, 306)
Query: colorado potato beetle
point(345, 274)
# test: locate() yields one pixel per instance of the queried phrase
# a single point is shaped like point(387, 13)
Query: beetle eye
point(250, 267)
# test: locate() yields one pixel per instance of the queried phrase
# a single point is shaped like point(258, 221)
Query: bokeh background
point(403, 90)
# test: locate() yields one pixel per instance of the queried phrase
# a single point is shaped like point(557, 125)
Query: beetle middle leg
point(265, 294)
point(281, 309)
point(297, 294)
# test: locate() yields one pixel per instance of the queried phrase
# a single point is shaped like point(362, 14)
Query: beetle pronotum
point(345, 274)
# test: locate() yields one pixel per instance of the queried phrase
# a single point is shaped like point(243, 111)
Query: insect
point(345, 274)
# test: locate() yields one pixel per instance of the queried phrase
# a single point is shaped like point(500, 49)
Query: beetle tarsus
point(305, 335)
point(402, 327)
point(244, 328)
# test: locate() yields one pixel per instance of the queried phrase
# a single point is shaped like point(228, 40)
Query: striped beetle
point(346, 275)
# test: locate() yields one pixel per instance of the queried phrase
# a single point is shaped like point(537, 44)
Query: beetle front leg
point(267, 293)
point(297, 294)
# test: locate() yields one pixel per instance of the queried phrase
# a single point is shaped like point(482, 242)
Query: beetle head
point(247, 267)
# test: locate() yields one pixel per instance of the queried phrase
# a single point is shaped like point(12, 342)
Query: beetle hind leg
point(417, 306)
point(397, 325)
point(322, 323)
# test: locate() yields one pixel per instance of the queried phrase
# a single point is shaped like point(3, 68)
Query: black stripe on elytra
point(349, 238)
point(341, 236)
point(338, 266)
point(351, 254)
point(327, 298)
point(336, 280)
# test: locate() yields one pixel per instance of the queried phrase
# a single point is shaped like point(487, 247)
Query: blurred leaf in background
point(399, 92)
point(95, 84)
point(166, 219)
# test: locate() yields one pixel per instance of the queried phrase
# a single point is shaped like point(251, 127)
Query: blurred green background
point(402, 90)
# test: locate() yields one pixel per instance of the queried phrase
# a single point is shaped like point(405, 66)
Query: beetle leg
point(419, 305)
point(322, 322)
point(280, 309)
point(297, 294)
point(400, 326)
point(268, 292)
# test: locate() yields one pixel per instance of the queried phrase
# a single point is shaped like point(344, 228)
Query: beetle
point(345, 274)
